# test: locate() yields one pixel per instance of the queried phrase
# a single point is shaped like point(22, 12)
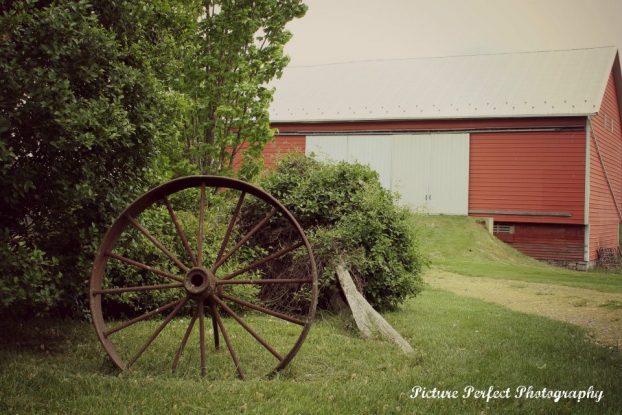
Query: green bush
point(30, 285)
point(347, 215)
point(81, 119)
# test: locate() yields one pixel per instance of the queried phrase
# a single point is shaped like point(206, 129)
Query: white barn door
point(374, 151)
point(411, 170)
point(429, 171)
point(330, 147)
point(449, 174)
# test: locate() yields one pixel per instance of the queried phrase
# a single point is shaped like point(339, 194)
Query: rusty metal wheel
point(193, 266)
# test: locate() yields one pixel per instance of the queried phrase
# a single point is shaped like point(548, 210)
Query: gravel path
point(578, 306)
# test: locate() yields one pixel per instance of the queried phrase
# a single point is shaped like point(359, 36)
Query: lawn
point(460, 244)
point(57, 366)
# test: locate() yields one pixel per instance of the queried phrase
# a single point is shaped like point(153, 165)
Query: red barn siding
point(604, 219)
point(282, 145)
point(547, 241)
point(528, 172)
point(275, 150)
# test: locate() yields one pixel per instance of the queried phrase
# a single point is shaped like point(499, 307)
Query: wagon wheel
point(197, 279)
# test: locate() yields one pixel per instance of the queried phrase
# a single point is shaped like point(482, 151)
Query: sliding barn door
point(449, 174)
point(429, 171)
point(411, 170)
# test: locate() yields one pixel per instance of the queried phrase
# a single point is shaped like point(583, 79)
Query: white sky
point(349, 30)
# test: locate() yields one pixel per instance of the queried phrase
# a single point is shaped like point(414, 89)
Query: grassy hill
point(462, 245)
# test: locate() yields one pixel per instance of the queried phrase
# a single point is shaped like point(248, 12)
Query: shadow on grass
point(39, 336)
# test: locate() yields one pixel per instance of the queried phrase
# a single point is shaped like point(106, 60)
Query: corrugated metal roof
point(531, 84)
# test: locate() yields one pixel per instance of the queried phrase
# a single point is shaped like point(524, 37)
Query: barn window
point(502, 228)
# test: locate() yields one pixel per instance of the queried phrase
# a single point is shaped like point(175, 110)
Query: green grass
point(612, 305)
point(460, 244)
point(59, 367)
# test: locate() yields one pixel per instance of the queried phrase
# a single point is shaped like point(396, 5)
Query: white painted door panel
point(411, 170)
point(449, 174)
point(374, 151)
point(327, 147)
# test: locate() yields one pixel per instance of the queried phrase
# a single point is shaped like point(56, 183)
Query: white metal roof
point(531, 84)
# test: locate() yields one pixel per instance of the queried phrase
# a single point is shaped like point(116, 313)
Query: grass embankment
point(459, 244)
point(59, 367)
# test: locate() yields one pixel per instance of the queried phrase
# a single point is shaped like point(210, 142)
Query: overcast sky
point(349, 30)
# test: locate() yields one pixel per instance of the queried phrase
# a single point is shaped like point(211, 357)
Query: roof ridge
point(449, 56)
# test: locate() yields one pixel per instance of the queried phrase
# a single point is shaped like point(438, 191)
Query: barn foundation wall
point(560, 243)
point(574, 265)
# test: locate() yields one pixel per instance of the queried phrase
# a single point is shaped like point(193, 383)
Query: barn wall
point(275, 150)
point(540, 173)
point(282, 145)
point(544, 241)
point(604, 219)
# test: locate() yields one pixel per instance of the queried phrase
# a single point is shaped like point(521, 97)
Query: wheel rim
point(200, 281)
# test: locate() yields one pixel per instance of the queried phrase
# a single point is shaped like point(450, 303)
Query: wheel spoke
point(201, 223)
point(215, 329)
point(145, 267)
point(225, 335)
point(179, 230)
point(137, 288)
point(234, 218)
point(247, 328)
point(246, 237)
point(201, 308)
point(264, 260)
point(266, 281)
point(157, 243)
point(264, 310)
point(184, 340)
point(158, 331)
point(141, 317)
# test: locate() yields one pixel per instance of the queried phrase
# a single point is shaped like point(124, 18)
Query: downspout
point(586, 212)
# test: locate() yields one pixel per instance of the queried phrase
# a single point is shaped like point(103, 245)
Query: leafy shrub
point(30, 285)
point(80, 115)
point(347, 215)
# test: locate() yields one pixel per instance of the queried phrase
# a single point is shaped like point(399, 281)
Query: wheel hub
point(200, 281)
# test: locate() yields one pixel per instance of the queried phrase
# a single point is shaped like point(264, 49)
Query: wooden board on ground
point(367, 319)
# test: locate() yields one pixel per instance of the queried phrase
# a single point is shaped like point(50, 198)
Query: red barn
point(531, 140)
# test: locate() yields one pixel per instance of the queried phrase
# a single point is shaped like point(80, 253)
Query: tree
point(238, 52)
point(101, 99)
point(81, 113)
